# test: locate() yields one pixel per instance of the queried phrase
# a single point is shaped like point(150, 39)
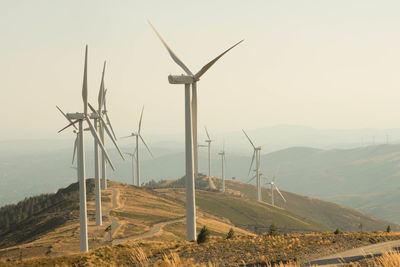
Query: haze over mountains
point(343, 166)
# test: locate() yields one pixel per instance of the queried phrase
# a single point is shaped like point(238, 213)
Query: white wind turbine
point(191, 145)
point(81, 117)
point(104, 113)
point(138, 135)
point(208, 141)
point(132, 155)
point(190, 79)
point(100, 125)
point(256, 155)
point(222, 154)
point(275, 187)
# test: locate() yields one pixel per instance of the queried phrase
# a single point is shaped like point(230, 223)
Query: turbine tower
point(191, 79)
point(80, 118)
point(256, 155)
point(222, 154)
point(138, 135)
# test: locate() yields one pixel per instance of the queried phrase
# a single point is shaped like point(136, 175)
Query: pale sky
point(326, 64)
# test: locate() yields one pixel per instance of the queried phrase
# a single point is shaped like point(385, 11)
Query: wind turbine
point(191, 79)
point(104, 113)
point(191, 130)
point(81, 117)
point(208, 141)
point(256, 155)
point(274, 186)
point(138, 135)
point(132, 155)
point(100, 125)
point(222, 154)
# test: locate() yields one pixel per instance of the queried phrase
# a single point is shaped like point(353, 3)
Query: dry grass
point(391, 258)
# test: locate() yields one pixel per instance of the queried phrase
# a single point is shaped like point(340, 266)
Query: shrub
point(203, 235)
point(337, 231)
point(388, 229)
point(231, 234)
point(273, 230)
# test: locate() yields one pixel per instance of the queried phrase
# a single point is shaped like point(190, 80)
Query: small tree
point(388, 229)
point(273, 230)
point(231, 234)
point(203, 235)
point(337, 231)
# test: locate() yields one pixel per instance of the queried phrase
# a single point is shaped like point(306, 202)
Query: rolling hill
point(158, 214)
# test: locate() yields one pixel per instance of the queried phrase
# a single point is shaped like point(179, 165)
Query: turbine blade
point(72, 123)
point(249, 139)
point(252, 160)
point(171, 53)
point(104, 100)
point(126, 136)
point(101, 91)
point(108, 131)
point(140, 121)
point(277, 189)
point(65, 115)
point(75, 147)
point(148, 149)
point(84, 86)
point(208, 65)
point(207, 133)
point(109, 124)
point(97, 138)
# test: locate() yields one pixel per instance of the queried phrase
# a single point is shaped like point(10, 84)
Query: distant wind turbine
point(132, 155)
point(222, 154)
point(138, 135)
point(208, 141)
point(275, 187)
point(256, 155)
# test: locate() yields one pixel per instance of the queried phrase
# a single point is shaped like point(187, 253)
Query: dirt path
point(356, 254)
point(115, 224)
point(155, 230)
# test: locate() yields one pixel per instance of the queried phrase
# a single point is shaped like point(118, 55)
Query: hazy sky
point(319, 63)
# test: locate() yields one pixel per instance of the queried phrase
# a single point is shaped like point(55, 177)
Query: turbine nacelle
point(181, 79)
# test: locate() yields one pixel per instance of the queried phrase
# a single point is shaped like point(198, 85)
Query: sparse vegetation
point(231, 234)
point(203, 236)
point(337, 231)
point(273, 230)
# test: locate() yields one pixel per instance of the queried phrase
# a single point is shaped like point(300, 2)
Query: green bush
point(337, 231)
point(203, 235)
point(231, 234)
point(388, 229)
point(273, 230)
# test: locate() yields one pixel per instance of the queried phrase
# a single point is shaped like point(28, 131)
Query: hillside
point(157, 214)
point(152, 214)
point(327, 213)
